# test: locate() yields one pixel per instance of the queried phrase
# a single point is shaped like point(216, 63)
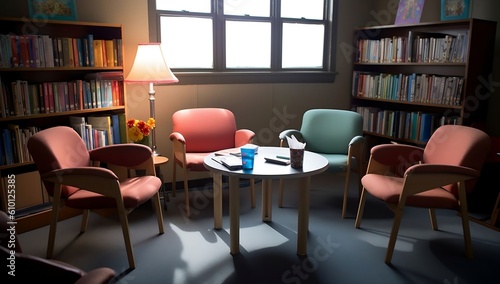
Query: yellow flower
point(138, 129)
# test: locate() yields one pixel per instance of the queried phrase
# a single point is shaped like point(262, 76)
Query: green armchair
point(335, 134)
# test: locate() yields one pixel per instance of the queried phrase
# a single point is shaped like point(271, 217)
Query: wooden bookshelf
point(37, 55)
point(409, 79)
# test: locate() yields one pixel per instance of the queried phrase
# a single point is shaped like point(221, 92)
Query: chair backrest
point(329, 131)
point(205, 129)
point(58, 148)
point(457, 145)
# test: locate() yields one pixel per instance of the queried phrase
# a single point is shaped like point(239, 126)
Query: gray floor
point(191, 251)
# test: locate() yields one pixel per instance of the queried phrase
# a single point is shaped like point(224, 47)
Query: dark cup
point(296, 158)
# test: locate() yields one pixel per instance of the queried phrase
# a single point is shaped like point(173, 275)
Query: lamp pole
point(152, 114)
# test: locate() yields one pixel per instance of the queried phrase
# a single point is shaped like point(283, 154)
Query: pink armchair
point(438, 176)
point(76, 178)
point(198, 132)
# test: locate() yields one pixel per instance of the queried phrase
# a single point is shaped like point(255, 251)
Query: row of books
point(14, 144)
point(38, 51)
point(417, 126)
point(97, 131)
point(104, 89)
point(419, 88)
point(420, 47)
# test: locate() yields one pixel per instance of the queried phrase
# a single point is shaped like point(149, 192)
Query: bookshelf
point(53, 73)
point(409, 79)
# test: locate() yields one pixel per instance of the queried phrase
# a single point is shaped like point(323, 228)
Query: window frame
point(246, 76)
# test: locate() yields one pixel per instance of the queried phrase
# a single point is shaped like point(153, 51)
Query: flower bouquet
point(138, 130)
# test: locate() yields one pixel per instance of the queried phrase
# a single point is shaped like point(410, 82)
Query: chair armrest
point(437, 169)
point(95, 179)
point(243, 136)
point(97, 276)
point(177, 137)
point(81, 171)
point(289, 133)
point(136, 154)
point(423, 177)
point(357, 140)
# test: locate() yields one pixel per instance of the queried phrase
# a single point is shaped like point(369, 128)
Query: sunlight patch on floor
point(259, 237)
point(197, 261)
point(405, 245)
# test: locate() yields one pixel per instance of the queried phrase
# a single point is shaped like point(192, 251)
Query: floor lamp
point(150, 67)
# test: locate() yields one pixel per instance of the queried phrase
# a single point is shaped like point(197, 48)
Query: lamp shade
point(150, 66)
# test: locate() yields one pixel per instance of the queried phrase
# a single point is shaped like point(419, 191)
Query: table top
point(160, 160)
point(313, 164)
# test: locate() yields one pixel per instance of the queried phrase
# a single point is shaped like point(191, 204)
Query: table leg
point(234, 214)
point(303, 224)
point(217, 178)
point(267, 200)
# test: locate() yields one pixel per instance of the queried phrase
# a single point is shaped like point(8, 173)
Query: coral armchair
point(335, 134)
point(198, 132)
point(437, 176)
point(77, 178)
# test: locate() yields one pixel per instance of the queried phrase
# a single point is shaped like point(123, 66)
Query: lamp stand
point(152, 115)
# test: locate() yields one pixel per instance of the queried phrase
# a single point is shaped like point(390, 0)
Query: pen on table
point(283, 157)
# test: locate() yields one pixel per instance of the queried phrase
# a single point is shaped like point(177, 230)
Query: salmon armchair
point(198, 132)
point(76, 178)
point(438, 176)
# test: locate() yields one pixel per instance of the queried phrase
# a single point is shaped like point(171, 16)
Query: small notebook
point(229, 161)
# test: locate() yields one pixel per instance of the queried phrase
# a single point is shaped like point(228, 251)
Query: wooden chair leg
point(398, 213)
point(361, 208)
point(462, 199)
point(122, 213)
point(85, 221)
point(496, 212)
point(432, 215)
point(53, 223)
point(186, 192)
point(159, 213)
point(346, 193)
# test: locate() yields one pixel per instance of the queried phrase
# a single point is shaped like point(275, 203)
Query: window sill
point(201, 78)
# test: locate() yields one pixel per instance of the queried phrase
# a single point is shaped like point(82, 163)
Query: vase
point(145, 141)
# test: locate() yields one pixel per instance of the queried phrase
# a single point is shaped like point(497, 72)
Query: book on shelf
point(110, 53)
point(98, 53)
point(102, 124)
point(123, 128)
point(116, 129)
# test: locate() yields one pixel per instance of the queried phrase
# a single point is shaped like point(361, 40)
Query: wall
point(256, 106)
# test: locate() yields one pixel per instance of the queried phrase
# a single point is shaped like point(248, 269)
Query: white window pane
point(256, 8)
point(202, 6)
point(310, 9)
point(248, 44)
point(303, 46)
point(188, 42)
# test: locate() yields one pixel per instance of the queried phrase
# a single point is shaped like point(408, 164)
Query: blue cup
point(247, 158)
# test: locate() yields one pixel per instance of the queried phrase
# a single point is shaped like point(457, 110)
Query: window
point(246, 41)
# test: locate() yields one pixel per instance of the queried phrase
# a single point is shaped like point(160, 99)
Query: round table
point(313, 164)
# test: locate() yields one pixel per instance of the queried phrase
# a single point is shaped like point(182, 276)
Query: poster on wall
point(409, 12)
point(455, 9)
point(52, 9)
